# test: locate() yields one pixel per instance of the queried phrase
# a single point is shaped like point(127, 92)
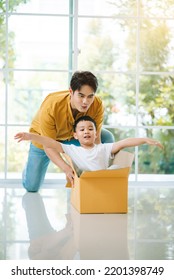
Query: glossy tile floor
point(44, 225)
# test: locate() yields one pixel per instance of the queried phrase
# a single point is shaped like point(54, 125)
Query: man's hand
point(69, 175)
point(22, 136)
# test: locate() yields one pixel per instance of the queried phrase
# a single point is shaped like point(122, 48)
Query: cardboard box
point(103, 191)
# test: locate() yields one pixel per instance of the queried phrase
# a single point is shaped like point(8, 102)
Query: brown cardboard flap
point(68, 184)
point(68, 159)
point(123, 159)
point(122, 172)
point(76, 170)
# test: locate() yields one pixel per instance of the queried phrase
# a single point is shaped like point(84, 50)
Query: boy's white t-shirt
point(95, 158)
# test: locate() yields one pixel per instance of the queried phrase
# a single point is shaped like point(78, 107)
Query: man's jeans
point(36, 167)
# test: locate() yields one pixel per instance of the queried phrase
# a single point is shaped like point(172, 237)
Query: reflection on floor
point(44, 225)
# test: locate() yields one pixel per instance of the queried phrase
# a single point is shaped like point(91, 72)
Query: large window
point(127, 44)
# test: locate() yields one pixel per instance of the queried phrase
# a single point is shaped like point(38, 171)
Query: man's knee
point(29, 182)
point(107, 136)
point(34, 172)
point(31, 187)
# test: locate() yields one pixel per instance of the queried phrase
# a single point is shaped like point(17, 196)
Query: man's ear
point(70, 91)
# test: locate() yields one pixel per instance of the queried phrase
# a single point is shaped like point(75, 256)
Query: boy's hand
point(154, 142)
point(22, 136)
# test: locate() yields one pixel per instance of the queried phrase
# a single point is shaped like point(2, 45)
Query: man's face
point(85, 133)
point(82, 99)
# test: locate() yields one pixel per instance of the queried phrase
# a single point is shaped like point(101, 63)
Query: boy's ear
point(97, 135)
point(75, 135)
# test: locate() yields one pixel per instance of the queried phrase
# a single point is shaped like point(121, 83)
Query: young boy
point(89, 156)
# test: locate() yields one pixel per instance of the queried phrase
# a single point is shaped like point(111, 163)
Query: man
point(89, 156)
point(55, 119)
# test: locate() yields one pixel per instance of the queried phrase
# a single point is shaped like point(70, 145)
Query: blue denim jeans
point(34, 172)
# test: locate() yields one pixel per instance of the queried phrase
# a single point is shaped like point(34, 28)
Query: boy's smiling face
point(85, 133)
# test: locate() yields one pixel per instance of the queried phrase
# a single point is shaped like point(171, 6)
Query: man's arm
point(99, 108)
point(56, 158)
point(52, 149)
point(132, 142)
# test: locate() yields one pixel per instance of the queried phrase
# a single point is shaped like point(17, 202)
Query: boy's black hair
point(81, 78)
point(84, 118)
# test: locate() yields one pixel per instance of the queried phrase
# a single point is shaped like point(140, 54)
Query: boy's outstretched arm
point(132, 142)
point(43, 140)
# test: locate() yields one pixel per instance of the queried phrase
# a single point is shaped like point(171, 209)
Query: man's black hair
point(81, 78)
point(84, 118)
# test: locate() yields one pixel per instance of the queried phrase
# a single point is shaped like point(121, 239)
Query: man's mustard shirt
point(55, 120)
